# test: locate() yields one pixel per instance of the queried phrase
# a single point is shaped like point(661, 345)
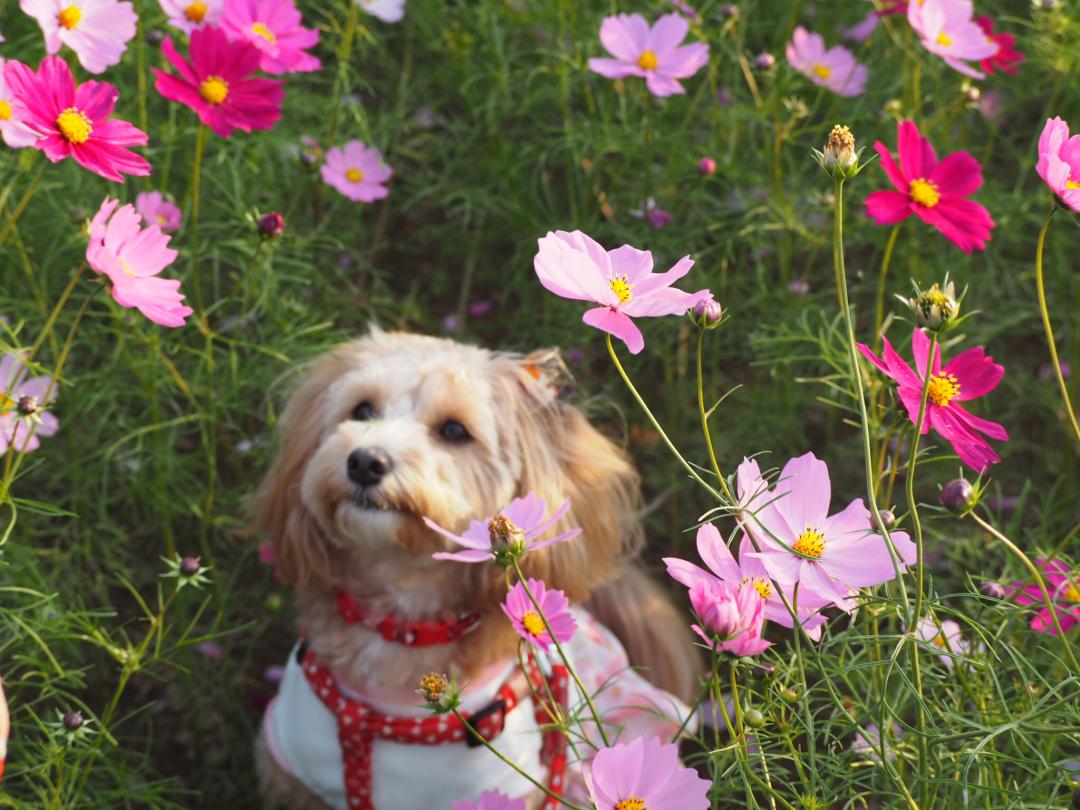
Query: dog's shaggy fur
point(328, 534)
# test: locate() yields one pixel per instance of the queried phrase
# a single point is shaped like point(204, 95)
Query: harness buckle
point(497, 706)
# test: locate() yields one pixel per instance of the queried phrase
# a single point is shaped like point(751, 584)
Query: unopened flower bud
point(433, 686)
point(764, 61)
point(763, 670)
point(155, 36)
point(935, 308)
point(971, 92)
point(272, 225)
point(27, 405)
point(958, 496)
point(707, 313)
point(707, 166)
point(887, 518)
point(993, 589)
point(790, 695)
point(754, 718)
point(74, 720)
point(893, 107)
point(190, 566)
point(729, 11)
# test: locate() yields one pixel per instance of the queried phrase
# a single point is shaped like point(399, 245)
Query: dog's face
point(396, 427)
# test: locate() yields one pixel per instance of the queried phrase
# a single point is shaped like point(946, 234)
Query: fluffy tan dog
point(395, 426)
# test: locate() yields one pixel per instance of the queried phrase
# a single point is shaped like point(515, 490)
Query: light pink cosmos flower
point(948, 638)
point(969, 375)
point(869, 745)
point(834, 69)
point(644, 773)
point(947, 29)
point(97, 30)
point(390, 11)
point(732, 616)
point(1064, 588)
point(131, 257)
point(512, 530)
point(655, 54)
point(23, 418)
point(554, 606)
point(490, 800)
point(828, 556)
point(217, 83)
point(1059, 161)
point(73, 120)
point(189, 15)
point(157, 209)
point(15, 133)
point(357, 171)
point(574, 265)
point(272, 26)
point(862, 30)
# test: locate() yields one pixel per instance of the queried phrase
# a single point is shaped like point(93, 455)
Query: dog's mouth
point(368, 501)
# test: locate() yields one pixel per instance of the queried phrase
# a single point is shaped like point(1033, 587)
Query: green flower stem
point(736, 732)
point(47, 329)
point(1041, 287)
point(14, 218)
point(879, 309)
point(705, 419)
point(193, 226)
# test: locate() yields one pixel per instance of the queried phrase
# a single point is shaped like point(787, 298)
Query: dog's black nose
point(368, 467)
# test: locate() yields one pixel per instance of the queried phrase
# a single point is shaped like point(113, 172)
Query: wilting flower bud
point(190, 566)
point(839, 158)
point(754, 718)
point(764, 61)
point(958, 496)
point(74, 720)
point(707, 314)
point(272, 225)
point(993, 589)
point(507, 539)
point(707, 166)
point(27, 405)
point(439, 694)
point(935, 308)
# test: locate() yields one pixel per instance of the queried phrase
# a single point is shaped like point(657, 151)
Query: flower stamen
point(924, 192)
point(260, 30)
point(622, 288)
point(196, 12)
point(5, 110)
point(944, 40)
point(354, 175)
point(532, 623)
point(761, 585)
point(69, 17)
point(633, 803)
point(74, 125)
point(214, 89)
point(943, 389)
point(822, 71)
point(811, 543)
point(647, 60)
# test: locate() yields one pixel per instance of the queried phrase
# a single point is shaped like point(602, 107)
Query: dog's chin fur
point(330, 535)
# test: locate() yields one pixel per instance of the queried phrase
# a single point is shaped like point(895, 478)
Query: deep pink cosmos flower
point(272, 26)
point(1059, 161)
point(131, 257)
point(507, 534)
point(23, 418)
point(1064, 588)
point(217, 83)
point(155, 208)
point(15, 133)
point(188, 15)
point(946, 29)
point(73, 120)
point(644, 773)
point(934, 191)
point(554, 605)
point(834, 69)
point(1006, 57)
point(357, 171)
point(967, 376)
point(828, 556)
point(732, 616)
point(97, 30)
point(655, 54)
point(490, 800)
point(621, 281)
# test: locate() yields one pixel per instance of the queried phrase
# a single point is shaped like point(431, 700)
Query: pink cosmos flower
point(748, 571)
point(131, 257)
point(490, 800)
point(1059, 161)
point(217, 83)
point(97, 30)
point(73, 120)
point(1006, 57)
point(621, 281)
point(189, 15)
point(732, 616)
point(869, 744)
point(554, 606)
point(655, 54)
point(862, 30)
point(154, 207)
point(390, 11)
point(947, 29)
point(948, 638)
point(934, 191)
point(644, 773)
point(272, 26)
point(15, 133)
point(969, 375)
point(357, 171)
point(834, 69)
point(1064, 588)
point(511, 531)
point(828, 556)
point(23, 418)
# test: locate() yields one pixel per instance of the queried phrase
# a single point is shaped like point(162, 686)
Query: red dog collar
point(409, 633)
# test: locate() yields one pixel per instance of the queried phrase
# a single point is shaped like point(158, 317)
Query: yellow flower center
point(822, 71)
point(647, 60)
point(940, 641)
point(74, 125)
point(69, 17)
point(622, 288)
point(5, 110)
point(944, 40)
point(353, 175)
point(532, 623)
point(1070, 183)
point(810, 543)
point(126, 268)
point(196, 12)
point(943, 388)
point(1071, 594)
point(161, 219)
point(761, 585)
point(924, 192)
point(633, 803)
point(6, 402)
point(260, 30)
point(214, 89)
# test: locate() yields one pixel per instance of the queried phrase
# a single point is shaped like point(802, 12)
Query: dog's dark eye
point(363, 412)
point(454, 431)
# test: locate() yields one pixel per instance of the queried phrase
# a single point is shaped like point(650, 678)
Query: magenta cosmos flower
point(14, 132)
point(934, 191)
point(732, 616)
point(217, 83)
point(1064, 588)
point(969, 375)
point(23, 418)
point(189, 15)
point(1006, 57)
point(73, 120)
point(574, 265)
point(645, 773)
point(506, 534)
point(554, 606)
point(946, 29)
point(131, 257)
point(828, 556)
point(97, 30)
point(490, 800)
point(155, 208)
point(1059, 161)
point(272, 26)
point(655, 54)
point(834, 69)
point(357, 171)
